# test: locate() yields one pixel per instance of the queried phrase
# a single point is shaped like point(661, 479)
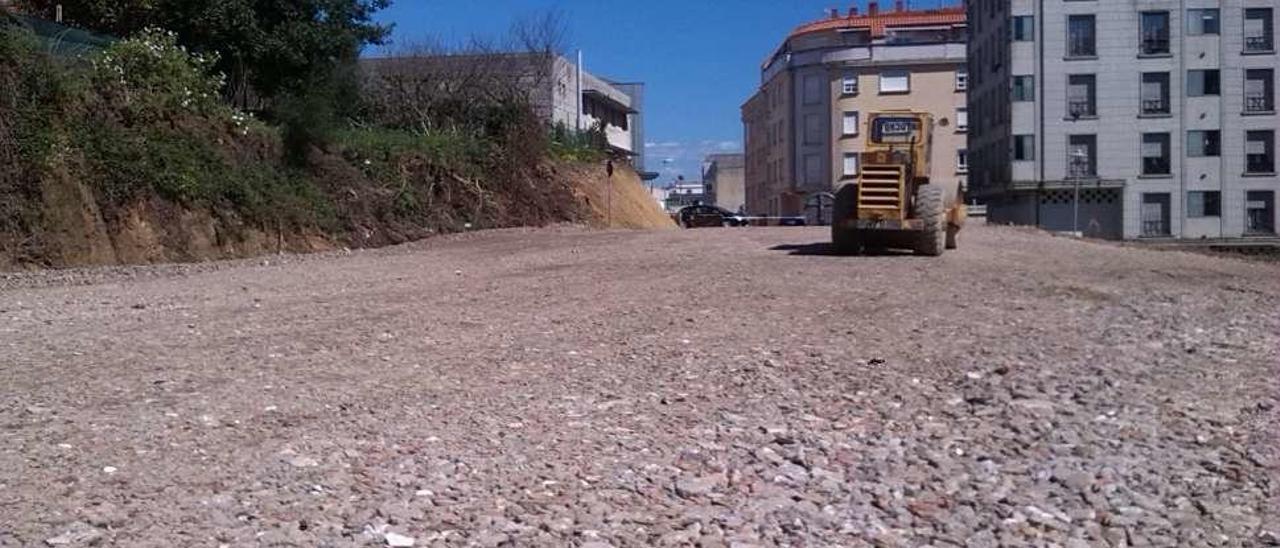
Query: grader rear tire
point(929, 208)
point(846, 240)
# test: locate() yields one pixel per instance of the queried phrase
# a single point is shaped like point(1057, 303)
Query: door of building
point(1260, 212)
point(1155, 215)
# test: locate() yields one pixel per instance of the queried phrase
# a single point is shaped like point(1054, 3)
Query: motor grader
point(893, 203)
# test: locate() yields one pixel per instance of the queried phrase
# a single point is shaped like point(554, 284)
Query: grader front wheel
point(929, 208)
point(844, 238)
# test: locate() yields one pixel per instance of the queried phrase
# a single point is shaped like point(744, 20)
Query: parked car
point(700, 216)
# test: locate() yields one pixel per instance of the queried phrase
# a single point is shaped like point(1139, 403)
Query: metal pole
point(1075, 214)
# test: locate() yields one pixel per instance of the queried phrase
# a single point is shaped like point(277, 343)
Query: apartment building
point(1136, 119)
point(804, 127)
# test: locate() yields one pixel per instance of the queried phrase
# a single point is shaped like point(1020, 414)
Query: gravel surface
point(731, 387)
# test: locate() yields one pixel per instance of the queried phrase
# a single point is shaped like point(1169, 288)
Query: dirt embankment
point(76, 230)
point(622, 201)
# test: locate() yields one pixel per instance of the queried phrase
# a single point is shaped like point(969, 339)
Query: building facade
point(804, 127)
point(724, 178)
point(561, 93)
point(1137, 119)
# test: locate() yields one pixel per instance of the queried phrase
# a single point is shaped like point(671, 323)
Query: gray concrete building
point(1125, 119)
point(724, 178)
point(561, 93)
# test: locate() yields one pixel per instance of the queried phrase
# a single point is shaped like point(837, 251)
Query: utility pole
point(609, 207)
point(578, 100)
point(1079, 162)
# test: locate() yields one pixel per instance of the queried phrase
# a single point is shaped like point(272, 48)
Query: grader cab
point(894, 203)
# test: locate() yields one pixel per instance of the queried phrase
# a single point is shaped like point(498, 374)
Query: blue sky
point(699, 59)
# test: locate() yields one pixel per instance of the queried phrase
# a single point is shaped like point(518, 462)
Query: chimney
point(833, 13)
point(899, 5)
point(873, 7)
point(853, 10)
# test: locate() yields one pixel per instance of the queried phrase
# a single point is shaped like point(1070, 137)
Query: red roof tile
point(886, 19)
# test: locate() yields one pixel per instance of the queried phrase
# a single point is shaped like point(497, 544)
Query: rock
point(78, 533)
point(303, 462)
point(396, 540)
point(689, 487)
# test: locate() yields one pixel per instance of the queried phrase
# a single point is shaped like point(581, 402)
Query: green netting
point(60, 40)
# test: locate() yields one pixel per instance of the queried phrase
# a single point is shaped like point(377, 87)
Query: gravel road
point(720, 387)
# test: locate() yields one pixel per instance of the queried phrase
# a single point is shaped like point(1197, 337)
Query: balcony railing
point(1259, 103)
point(1260, 164)
point(1155, 45)
point(1155, 106)
point(1258, 43)
point(1155, 166)
point(1155, 228)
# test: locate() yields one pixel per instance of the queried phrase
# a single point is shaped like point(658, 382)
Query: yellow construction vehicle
point(893, 204)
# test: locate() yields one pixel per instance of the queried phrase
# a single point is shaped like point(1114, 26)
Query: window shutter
point(850, 123)
point(1078, 93)
point(850, 163)
point(1152, 149)
point(1254, 28)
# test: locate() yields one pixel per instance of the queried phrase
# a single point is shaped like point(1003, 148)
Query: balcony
point(1259, 103)
point(1258, 44)
point(1155, 45)
point(1260, 164)
point(1155, 106)
point(1155, 229)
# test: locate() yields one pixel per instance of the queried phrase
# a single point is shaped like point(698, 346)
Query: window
point(1201, 144)
point(962, 161)
point(1082, 93)
point(1260, 212)
point(1260, 152)
point(895, 81)
point(1258, 37)
point(1155, 154)
point(812, 129)
point(1024, 148)
point(1082, 158)
point(1155, 33)
point(849, 84)
point(850, 124)
point(1203, 21)
point(1082, 38)
point(812, 169)
point(1201, 83)
point(962, 79)
point(812, 90)
point(962, 119)
point(1155, 214)
point(1023, 28)
point(1155, 93)
point(1259, 91)
point(1204, 203)
point(850, 164)
point(1024, 88)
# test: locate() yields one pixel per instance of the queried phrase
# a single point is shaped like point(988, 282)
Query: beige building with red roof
point(805, 124)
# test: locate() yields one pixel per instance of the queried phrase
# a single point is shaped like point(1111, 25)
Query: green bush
point(151, 78)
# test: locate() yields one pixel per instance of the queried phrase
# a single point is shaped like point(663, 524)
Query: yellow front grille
point(880, 189)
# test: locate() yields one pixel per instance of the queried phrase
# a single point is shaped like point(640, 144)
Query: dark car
point(701, 216)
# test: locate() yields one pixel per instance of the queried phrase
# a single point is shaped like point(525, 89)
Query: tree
point(274, 46)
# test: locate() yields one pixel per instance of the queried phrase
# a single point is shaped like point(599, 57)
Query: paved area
point(712, 387)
